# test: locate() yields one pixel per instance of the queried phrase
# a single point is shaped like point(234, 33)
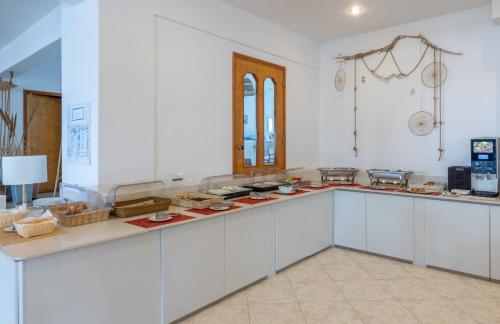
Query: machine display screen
point(482, 147)
point(482, 156)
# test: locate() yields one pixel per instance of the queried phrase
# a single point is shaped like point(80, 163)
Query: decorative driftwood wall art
point(433, 76)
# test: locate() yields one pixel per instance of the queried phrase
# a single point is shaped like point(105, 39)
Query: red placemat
point(385, 189)
point(298, 192)
point(315, 188)
point(251, 201)
point(335, 185)
point(146, 223)
point(208, 211)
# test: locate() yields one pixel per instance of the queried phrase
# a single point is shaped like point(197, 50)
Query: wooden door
point(258, 114)
point(42, 131)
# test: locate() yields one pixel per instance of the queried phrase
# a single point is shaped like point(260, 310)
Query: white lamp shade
point(21, 170)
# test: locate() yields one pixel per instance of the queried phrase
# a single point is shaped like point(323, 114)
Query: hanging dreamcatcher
point(433, 76)
point(340, 80)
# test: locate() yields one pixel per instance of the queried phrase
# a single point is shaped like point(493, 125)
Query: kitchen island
point(114, 272)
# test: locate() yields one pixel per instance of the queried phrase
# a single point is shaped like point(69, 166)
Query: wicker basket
point(189, 203)
point(87, 217)
point(142, 206)
point(30, 226)
point(9, 217)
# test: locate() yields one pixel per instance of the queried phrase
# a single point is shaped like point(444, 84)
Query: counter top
point(115, 228)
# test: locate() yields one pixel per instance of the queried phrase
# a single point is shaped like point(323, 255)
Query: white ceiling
point(17, 15)
point(325, 20)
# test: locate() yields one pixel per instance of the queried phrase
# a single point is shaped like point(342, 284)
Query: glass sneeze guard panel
point(250, 120)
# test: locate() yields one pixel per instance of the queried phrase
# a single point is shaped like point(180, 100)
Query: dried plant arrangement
point(434, 73)
point(10, 145)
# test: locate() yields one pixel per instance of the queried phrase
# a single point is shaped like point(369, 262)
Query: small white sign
point(78, 133)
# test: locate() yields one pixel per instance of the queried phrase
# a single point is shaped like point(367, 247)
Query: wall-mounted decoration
point(421, 123)
point(434, 75)
point(340, 79)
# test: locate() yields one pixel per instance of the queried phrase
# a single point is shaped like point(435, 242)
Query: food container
point(195, 200)
point(29, 227)
point(76, 214)
point(230, 192)
point(141, 206)
point(338, 175)
point(264, 186)
point(389, 178)
point(10, 216)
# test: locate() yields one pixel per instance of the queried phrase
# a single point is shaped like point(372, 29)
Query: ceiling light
point(355, 10)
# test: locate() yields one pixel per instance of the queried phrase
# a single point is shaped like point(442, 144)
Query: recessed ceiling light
point(355, 10)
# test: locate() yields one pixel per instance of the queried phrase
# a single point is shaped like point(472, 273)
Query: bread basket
point(29, 227)
point(8, 217)
point(77, 214)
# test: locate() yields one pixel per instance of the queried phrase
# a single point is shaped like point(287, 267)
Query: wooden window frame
point(281, 159)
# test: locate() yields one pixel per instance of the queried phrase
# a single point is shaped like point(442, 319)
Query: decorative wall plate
point(430, 75)
point(421, 123)
point(340, 79)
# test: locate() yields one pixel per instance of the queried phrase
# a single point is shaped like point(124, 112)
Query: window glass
point(250, 120)
point(269, 122)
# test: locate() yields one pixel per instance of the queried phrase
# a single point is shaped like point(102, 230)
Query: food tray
point(87, 217)
point(142, 206)
point(261, 187)
point(210, 199)
point(235, 194)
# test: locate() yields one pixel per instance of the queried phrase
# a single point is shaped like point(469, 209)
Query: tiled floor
point(340, 286)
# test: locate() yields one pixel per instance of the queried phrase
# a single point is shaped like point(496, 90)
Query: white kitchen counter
point(115, 228)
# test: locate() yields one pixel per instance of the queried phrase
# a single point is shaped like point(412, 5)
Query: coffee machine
point(484, 166)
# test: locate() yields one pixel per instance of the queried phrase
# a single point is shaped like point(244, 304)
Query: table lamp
point(24, 170)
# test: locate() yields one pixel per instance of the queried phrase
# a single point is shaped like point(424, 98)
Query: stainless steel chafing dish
point(389, 178)
point(338, 175)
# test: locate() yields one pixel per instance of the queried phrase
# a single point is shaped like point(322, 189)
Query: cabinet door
point(389, 225)
point(117, 282)
point(349, 219)
point(495, 242)
point(193, 266)
point(303, 227)
point(8, 291)
point(457, 236)
point(248, 247)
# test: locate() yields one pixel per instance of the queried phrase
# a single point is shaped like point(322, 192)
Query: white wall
point(80, 81)
point(46, 77)
point(471, 98)
point(166, 87)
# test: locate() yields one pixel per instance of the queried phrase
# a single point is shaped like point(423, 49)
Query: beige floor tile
point(411, 288)
point(339, 312)
point(271, 292)
point(239, 298)
point(276, 314)
point(363, 290)
point(347, 272)
point(452, 288)
point(335, 256)
point(307, 270)
point(483, 310)
point(383, 312)
point(219, 314)
point(491, 288)
point(387, 271)
point(432, 311)
point(316, 291)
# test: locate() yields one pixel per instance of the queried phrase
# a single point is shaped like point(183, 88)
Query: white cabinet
point(495, 242)
point(8, 291)
point(303, 227)
point(248, 247)
point(118, 282)
point(457, 236)
point(193, 267)
point(349, 221)
point(389, 225)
